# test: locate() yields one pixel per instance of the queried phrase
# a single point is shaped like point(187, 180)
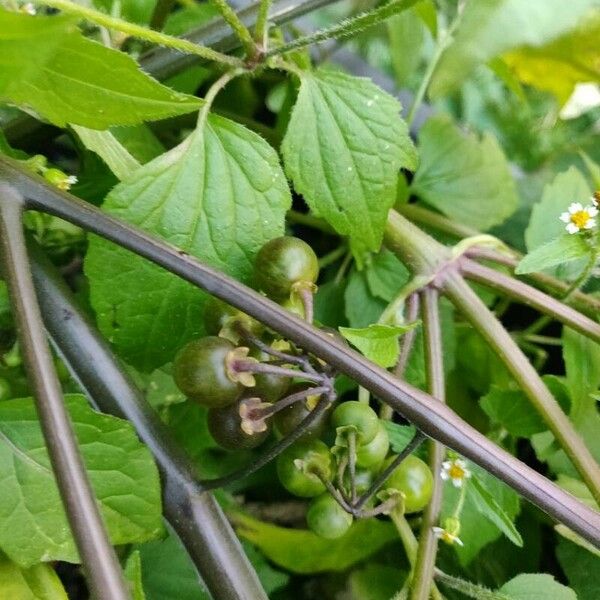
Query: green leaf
point(376, 582)
point(39, 582)
point(302, 551)
point(168, 572)
point(489, 507)
point(386, 275)
point(535, 586)
point(133, 574)
point(400, 435)
point(362, 307)
point(33, 526)
point(466, 178)
point(512, 410)
point(109, 149)
point(490, 27)
point(561, 250)
point(48, 66)
point(557, 67)
point(137, 11)
point(378, 343)
point(582, 364)
point(343, 148)
point(406, 34)
point(219, 196)
point(545, 224)
point(582, 569)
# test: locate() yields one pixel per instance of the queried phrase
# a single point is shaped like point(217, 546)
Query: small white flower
point(578, 217)
point(456, 470)
point(446, 536)
point(28, 8)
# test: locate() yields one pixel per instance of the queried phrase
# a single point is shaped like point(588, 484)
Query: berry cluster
point(254, 383)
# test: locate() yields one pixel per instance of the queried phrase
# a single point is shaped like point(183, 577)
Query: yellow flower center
point(580, 218)
point(447, 537)
point(456, 471)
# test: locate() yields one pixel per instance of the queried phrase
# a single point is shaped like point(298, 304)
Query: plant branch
point(346, 28)
point(467, 588)
point(261, 25)
point(429, 415)
point(585, 303)
point(444, 40)
point(140, 32)
point(193, 513)
point(100, 563)
point(240, 30)
point(532, 297)
point(471, 306)
point(422, 578)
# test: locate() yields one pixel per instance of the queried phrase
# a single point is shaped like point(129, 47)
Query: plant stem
point(444, 40)
point(212, 93)
point(428, 218)
point(261, 25)
point(346, 28)
point(309, 220)
point(465, 299)
point(332, 257)
point(426, 554)
point(409, 541)
point(140, 32)
point(240, 30)
point(195, 516)
point(467, 588)
point(532, 297)
point(432, 417)
point(86, 524)
point(542, 322)
point(435, 220)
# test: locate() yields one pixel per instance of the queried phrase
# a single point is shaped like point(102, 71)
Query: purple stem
point(422, 578)
point(532, 297)
point(471, 306)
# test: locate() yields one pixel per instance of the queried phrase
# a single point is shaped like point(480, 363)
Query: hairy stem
point(465, 299)
point(427, 550)
point(240, 30)
point(532, 297)
point(140, 32)
point(346, 28)
point(261, 25)
point(469, 589)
